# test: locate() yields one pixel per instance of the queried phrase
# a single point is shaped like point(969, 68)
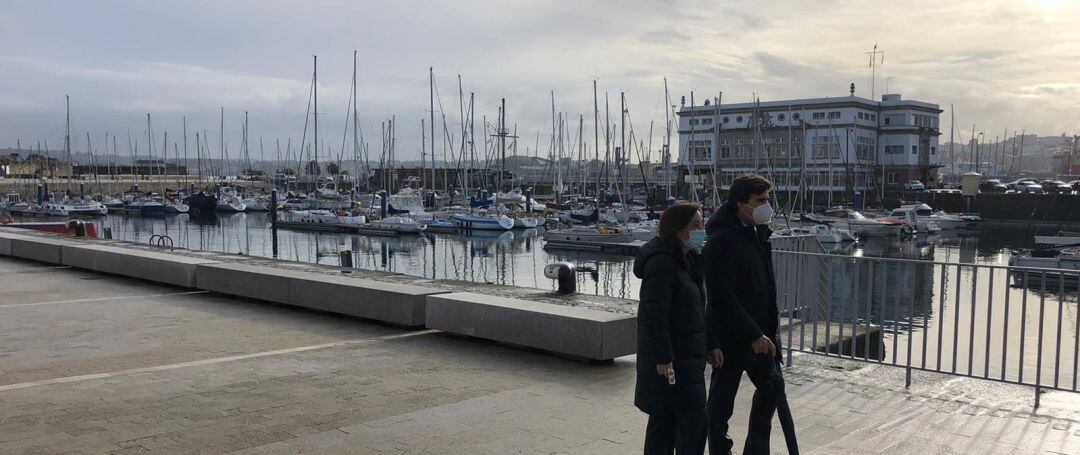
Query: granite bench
point(571, 331)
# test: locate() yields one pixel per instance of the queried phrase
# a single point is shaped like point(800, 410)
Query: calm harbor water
point(932, 315)
point(514, 258)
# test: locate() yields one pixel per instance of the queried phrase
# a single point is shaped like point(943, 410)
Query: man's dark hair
point(746, 185)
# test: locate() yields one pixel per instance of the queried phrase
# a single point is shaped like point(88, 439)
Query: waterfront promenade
point(93, 363)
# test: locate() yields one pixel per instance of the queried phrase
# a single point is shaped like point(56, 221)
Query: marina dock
point(212, 373)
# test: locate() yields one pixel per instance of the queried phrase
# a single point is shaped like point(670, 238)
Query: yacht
point(322, 216)
point(399, 224)
point(229, 201)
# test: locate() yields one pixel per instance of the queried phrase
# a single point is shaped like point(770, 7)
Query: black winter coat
point(671, 328)
point(741, 285)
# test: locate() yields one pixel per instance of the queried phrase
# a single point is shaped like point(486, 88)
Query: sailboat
point(229, 200)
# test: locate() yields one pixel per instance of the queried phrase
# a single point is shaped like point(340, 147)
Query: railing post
point(1038, 392)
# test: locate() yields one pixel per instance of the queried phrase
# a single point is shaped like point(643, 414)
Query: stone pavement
point(100, 364)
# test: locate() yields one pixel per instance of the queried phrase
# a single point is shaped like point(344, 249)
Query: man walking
point(742, 318)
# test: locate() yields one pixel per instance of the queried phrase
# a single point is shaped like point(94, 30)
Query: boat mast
point(431, 101)
point(667, 142)
point(596, 141)
point(67, 138)
point(315, 114)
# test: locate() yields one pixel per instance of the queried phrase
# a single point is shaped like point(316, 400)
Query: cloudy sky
point(1003, 64)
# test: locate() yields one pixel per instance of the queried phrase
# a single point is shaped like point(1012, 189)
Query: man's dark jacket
point(741, 285)
point(671, 328)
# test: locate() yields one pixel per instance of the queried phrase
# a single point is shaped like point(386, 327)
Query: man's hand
point(716, 358)
point(662, 368)
point(763, 345)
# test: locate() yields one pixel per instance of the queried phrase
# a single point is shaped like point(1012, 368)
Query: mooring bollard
point(565, 274)
point(346, 258)
point(107, 233)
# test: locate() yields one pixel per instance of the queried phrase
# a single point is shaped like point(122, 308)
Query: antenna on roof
point(873, 68)
point(852, 89)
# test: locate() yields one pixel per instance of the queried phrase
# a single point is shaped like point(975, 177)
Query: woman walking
point(672, 346)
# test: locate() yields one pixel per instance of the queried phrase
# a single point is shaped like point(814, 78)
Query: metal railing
point(1016, 325)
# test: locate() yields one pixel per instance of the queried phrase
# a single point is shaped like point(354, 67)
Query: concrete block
point(578, 332)
point(255, 282)
point(42, 249)
point(155, 266)
point(387, 302)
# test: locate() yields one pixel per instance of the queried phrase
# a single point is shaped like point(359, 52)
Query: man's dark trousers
point(766, 376)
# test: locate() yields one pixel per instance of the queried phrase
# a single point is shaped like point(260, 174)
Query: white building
point(840, 146)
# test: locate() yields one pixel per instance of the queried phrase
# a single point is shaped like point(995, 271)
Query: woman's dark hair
point(746, 185)
point(675, 219)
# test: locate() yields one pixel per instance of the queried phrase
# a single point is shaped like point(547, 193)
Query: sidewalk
point(100, 364)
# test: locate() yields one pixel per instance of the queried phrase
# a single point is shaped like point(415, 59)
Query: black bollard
point(273, 206)
point(107, 232)
point(565, 274)
point(346, 258)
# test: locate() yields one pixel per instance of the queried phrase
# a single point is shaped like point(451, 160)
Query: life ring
point(5, 218)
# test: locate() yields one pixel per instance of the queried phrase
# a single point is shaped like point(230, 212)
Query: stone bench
point(393, 303)
point(155, 266)
point(577, 332)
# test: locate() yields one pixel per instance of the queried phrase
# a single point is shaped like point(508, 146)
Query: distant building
point(842, 145)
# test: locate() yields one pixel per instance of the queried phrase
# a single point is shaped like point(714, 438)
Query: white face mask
point(763, 213)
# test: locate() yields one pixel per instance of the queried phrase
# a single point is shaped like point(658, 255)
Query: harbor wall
point(1033, 208)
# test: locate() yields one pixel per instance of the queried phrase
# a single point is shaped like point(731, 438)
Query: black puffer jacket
point(671, 328)
point(741, 285)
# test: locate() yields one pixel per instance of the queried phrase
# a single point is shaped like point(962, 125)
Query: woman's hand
point(662, 368)
point(716, 358)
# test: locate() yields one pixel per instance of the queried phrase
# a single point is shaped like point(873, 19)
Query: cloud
point(991, 59)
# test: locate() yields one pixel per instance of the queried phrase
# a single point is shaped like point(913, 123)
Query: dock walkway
point(93, 363)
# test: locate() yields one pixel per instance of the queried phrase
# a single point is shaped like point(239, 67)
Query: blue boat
point(483, 222)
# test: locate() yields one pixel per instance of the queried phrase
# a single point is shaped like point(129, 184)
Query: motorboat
point(944, 220)
point(909, 215)
point(1058, 259)
point(859, 224)
point(144, 206)
point(1063, 238)
point(482, 221)
point(75, 206)
point(823, 234)
point(590, 234)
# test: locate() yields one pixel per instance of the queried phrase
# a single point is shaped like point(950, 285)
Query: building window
point(864, 147)
point(795, 116)
point(914, 149)
point(886, 120)
point(861, 116)
point(725, 152)
point(706, 121)
point(933, 150)
point(892, 177)
point(738, 119)
point(819, 116)
point(780, 117)
point(726, 119)
point(873, 117)
point(894, 149)
point(834, 114)
point(826, 147)
point(700, 150)
point(723, 142)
